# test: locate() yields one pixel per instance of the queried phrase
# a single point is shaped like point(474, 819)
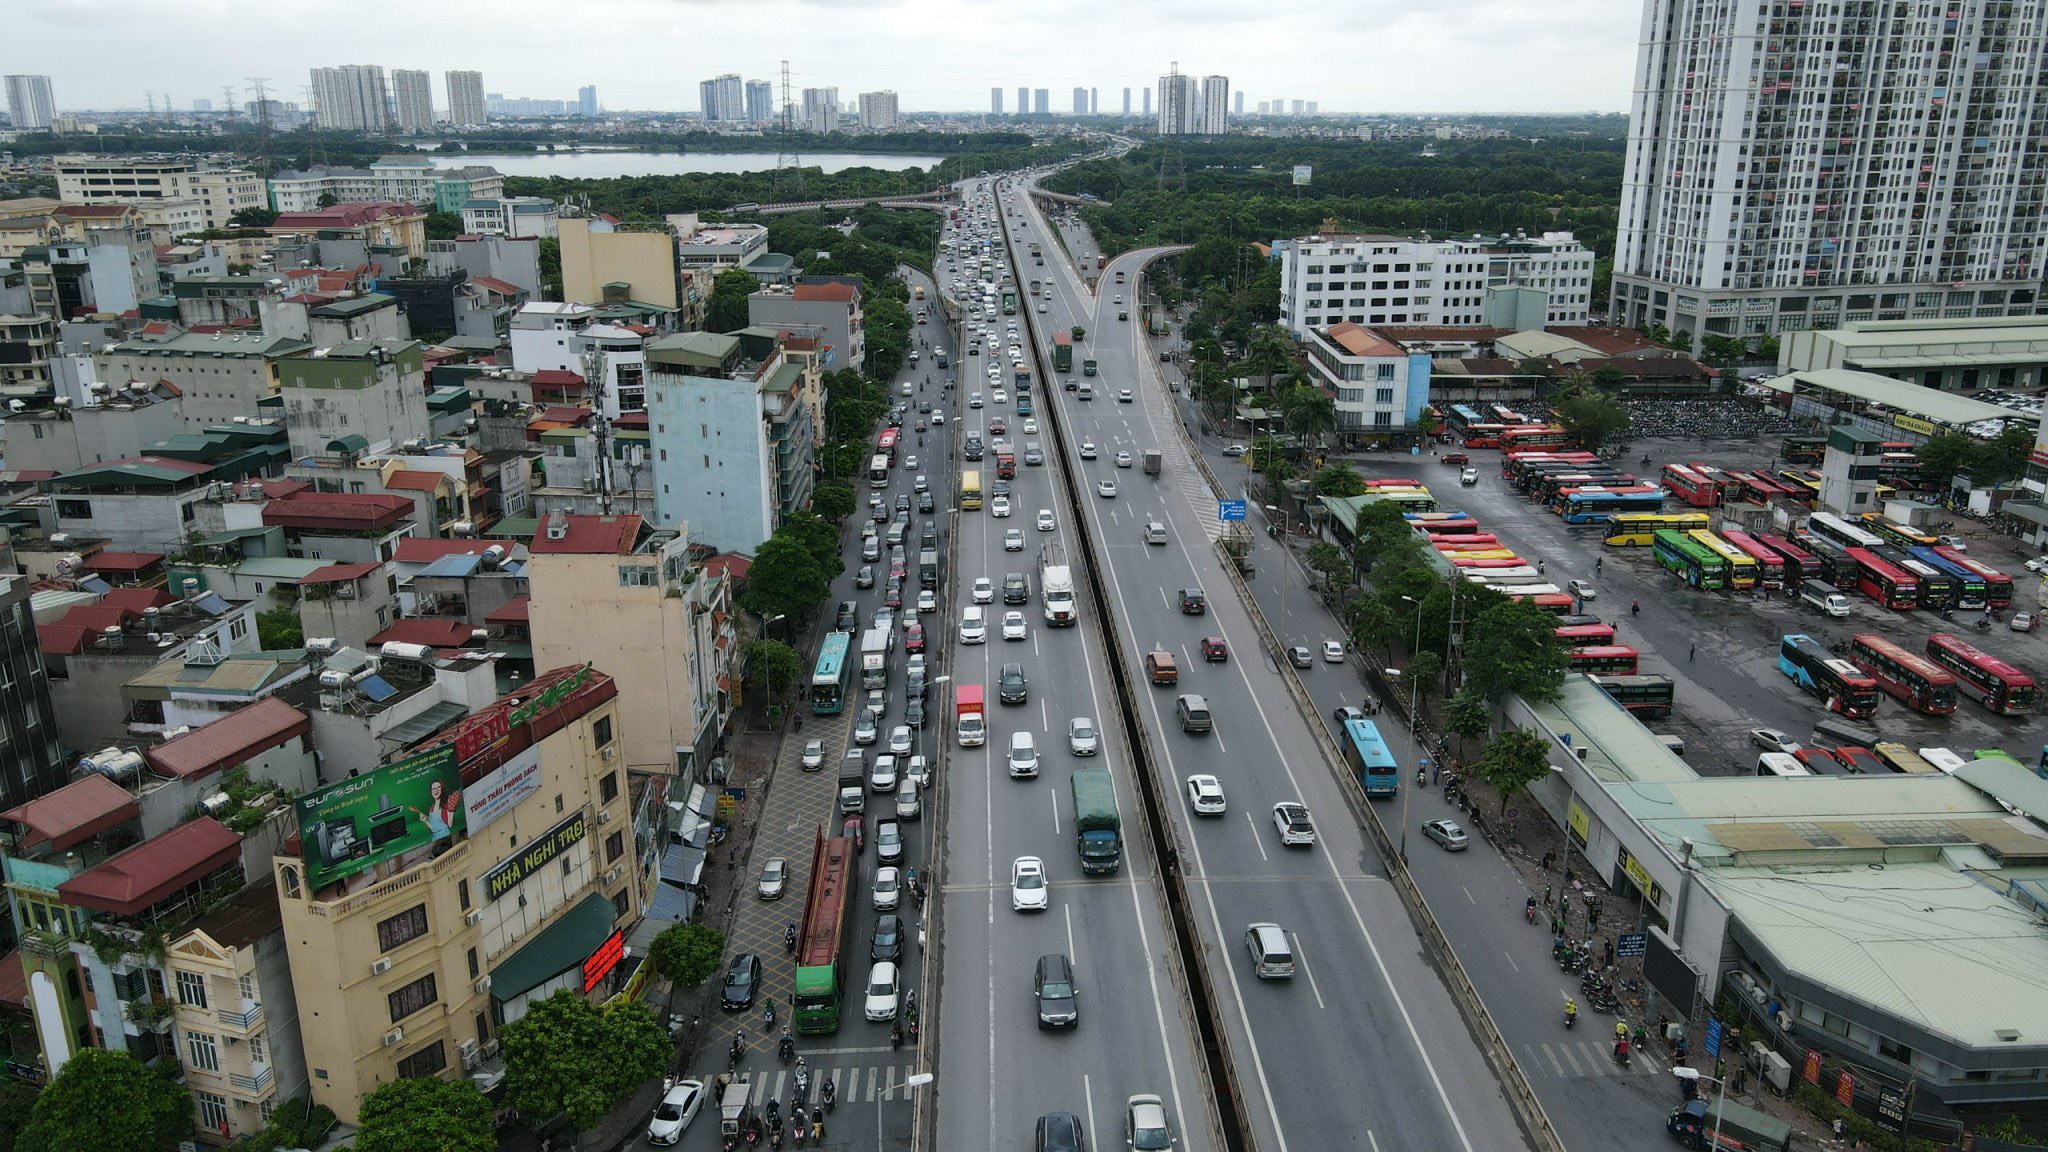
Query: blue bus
point(833, 675)
point(1367, 753)
point(1600, 505)
point(1969, 586)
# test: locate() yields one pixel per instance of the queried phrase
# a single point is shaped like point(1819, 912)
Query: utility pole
point(789, 167)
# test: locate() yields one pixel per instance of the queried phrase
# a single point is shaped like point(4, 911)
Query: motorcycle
point(1529, 910)
point(1571, 1014)
point(831, 1097)
point(803, 1079)
point(738, 1051)
point(1621, 1053)
point(786, 1050)
point(799, 1131)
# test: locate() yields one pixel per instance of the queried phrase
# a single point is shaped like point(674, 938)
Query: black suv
point(740, 981)
point(1013, 688)
point(849, 616)
point(1192, 602)
point(1016, 589)
point(1053, 984)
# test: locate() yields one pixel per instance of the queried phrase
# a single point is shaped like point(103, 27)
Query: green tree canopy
point(1514, 760)
point(444, 225)
point(1591, 417)
point(1512, 647)
point(833, 501)
point(1329, 561)
point(1424, 671)
point(785, 580)
point(1369, 623)
point(567, 1057)
point(1467, 714)
point(687, 954)
point(106, 1101)
point(1266, 454)
point(1945, 455)
point(1338, 480)
point(773, 665)
point(728, 309)
point(2002, 458)
point(253, 218)
point(426, 1112)
point(279, 628)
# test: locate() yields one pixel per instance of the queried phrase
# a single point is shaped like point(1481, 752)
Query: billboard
point(498, 792)
point(1301, 174)
point(347, 827)
point(508, 874)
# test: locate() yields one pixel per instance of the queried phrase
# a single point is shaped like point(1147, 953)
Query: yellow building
point(430, 899)
point(237, 1020)
point(608, 263)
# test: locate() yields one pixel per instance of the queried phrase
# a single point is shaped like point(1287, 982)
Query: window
point(424, 1062)
point(462, 894)
point(1385, 371)
point(213, 1111)
point(238, 628)
point(74, 509)
point(601, 733)
point(403, 928)
point(257, 1049)
point(192, 989)
point(200, 1051)
point(1383, 396)
point(608, 787)
point(472, 964)
point(614, 846)
point(413, 997)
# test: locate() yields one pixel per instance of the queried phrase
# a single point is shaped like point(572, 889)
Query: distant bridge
point(939, 201)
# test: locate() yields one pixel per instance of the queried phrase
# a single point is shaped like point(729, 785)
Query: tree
point(1424, 671)
point(1338, 480)
point(1369, 623)
point(1944, 456)
point(1266, 454)
point(253, 218)
point(280, 628)
point(568, 1057)
point(1591, 417)
point(1329, 561)
point(444, 225)
point(2003, 458)
point(1512, 647)
point(729, 292)
point(833, 501)
point(1308, 412)
point(1609, 378)
point(426, 1112)
point(550, 268)
point(1467, 715)
point(326, 200)
point(1514, 760)
point(106, 1101)
point(687, 954)
point(773, 665)
point(17, 1103)
point(785, 580)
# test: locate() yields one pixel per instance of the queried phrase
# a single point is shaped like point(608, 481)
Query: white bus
point(1780, 764)
point(878, 470)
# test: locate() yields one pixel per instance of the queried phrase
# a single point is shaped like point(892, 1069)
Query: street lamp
point(1414, 690)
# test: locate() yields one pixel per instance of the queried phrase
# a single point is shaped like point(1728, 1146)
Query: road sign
point(1714, 1039)
point(1632, 944)
point(1228, 510)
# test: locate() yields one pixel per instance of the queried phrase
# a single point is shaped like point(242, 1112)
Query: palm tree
point(1308, 412)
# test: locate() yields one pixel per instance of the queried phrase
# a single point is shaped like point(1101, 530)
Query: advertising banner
point(1301, 174)
point(505, 877)
point(347, 827)
point(498, 792)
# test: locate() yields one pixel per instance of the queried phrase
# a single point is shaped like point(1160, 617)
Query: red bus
point(1799, 563)
point(1912, 680)
point(1514, 465)
point(1461, 543)
point(886, 446)
point(1483, 435)
point(1555, 603)
point(1997, 585)
point(1479, 562)
point(1507, 415)
point(1885, 583)
point(1691, 487)
point(1997, 685)
point(1587, 635)
point(1731, 488)
point(1770, 567)
point(1535, 436)
point(1605, 660)
point(1376, 485)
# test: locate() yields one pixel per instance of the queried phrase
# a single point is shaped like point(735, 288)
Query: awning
point(673, 903)
point(563, 945)
point(682, 864)
point(435, 718)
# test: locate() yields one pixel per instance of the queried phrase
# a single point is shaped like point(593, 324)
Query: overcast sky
point(1351, 56)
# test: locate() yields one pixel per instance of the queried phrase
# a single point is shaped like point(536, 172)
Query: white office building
point(31, 104)
point(1180, 102)
point(1380, 386)
point(412, 90)
point(723, 97)
point(352, 98)
point(878, 111)
point(177, 195)
point(821, 110)
point(465, 98)
point(1803, 167)
point(1375, 279)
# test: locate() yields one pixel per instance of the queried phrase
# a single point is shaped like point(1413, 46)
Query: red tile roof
point(136, 599)
point(340, 573)
point(589, 536)
point(844, 293)
point(513, 611)
point(154, 869)
point(563, 414)
point(13, 980)
point(342, 216)
point(75, 813)
point(410, 480)
point(501, 287)
point(1607, 341)
point(1357, 340)
point(431, 633)
point(122, 561)
point(283, 489)
point(1478, 333)
point(339, 511)
point(556, 376)
point(99, 617)
point(99, 211)
point(425, 550)
point(230, 740)
point(734, 565)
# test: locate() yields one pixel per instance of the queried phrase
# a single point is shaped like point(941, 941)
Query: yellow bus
point(970, 490)
point(1742, 567)
point(1900, 758)
point(1638, 529)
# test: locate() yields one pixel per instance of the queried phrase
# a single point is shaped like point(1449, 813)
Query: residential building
point(119, 424)
point(352, 98)
point(605, 263)
point(222, 376)
point(148, 182)
point(1023, 100)
point(718, 246)
point(733, 441)
point(565, 339)
point(760, 101)
point(32, 760)
point(236, 1014)
point(1372, 279)
point(878, 111)
point(111, 270)
point(26, 345)
point(348, 399)
point(586, 101)
point(517, 216)
point(832, 310)
point(514, 261)
point(412, 92)
point(465, 98)
point(1380, 386)
point(1127, 102)
point(1080, 101)
point(1180, 105)
point(31, 106)
point(723, 98)
point(1041, 101)
point(390, 224)
point(414, 954)
point(580, 478)
point(404, 179)
point(1866, 178)
point(1147, 113)
point(821, 110)
point(995, 101)
point(1214, 116)
point(1094, 96)
point(1239, 98)
point(615, 592)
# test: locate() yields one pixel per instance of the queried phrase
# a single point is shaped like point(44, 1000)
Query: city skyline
point(1562, 59)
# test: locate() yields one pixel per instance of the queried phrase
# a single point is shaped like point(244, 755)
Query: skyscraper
point(465, 97)
point(1080, 101)
point(1147, 113)
point(1239, 110)
point(821, 109)
point(722, 97)
point(30, 102)
point(760, 100)
point(1215, 117)
point(1869, 178)
point(1041, 101)
point(1127, 101)
point(586, 101)
point(413, 92)
point(995, 101)
point(1094, 95)
point(1180, 105)
point(352, 98)
point(1023, 100)
point(878, 111)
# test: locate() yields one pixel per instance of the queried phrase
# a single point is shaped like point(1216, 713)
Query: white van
point(1023, 756)
point(974, 625)
point(1824, 597)
point(1155, 532)
point(1272, 955)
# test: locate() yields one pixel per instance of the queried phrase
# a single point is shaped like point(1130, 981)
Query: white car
point(1028, 890)
point(1292, 821)
point(1041, 306)
point(938, 417)
point(1235, 450)
point(1045, 520)
point(1205, 795)
point(984, 590)
point(1123, 459)
point(1583, 589)
point(882, 777)
point(883, 990)
point(1087, 449)
point(1082, 739)
point(974, 629)
point(1023, 755)
point(1013, 626)
point(864, 730)
point(1000, 397)
point(675, 1112)
point(899, 740)
point(1030, 426)
point(2038, 565)
point(1469, 477)
point(1106, 489)
point(1772, 740)
point(1123, 395)
point(921, 484)
point(910, 462)
point(999, 506)
point(888, 888)
point(927, 601)
point(814, 755)
point(974, 400)
point(1333, 651)
point(1013, 541)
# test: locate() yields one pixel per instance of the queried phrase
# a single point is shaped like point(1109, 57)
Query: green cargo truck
point(1099, 829)
point(1062, 352)
point(1726, 1124)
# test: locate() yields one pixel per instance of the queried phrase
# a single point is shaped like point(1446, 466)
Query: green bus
point(1701, 566)
point(820, 960)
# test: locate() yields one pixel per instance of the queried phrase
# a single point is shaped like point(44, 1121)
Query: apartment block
point(722, 98)
point(400, 179)
point(352, 98)
point(236, 1012)
point(733, 441)
point(345, 399)
point(31, 106)
point(412, 92)
point(157, 183)
point(760, 101)
point(821, 110)
point(833, 310)
point(465, 98)
point(878, 111)
point(1371, 279)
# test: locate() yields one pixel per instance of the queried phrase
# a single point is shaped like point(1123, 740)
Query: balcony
point(259, 1080)
point(247, 1019)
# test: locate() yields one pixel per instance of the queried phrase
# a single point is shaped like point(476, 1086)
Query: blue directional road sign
point(1631, 944)
point(1227, 510)
point(1713, 1038)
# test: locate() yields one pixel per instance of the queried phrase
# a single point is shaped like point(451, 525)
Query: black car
point(1059, 1132)
point(887, 942)
point(849, 616)
point(913, 711)
point(1192, 602)
point(1014, 689)
point(903, 501)
point(925, 503)
point(1016, 589)
point(740, 981)
point(914, 685)
point(1052, 983)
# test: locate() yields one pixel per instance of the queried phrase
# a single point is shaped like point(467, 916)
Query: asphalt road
point(1364, 1049)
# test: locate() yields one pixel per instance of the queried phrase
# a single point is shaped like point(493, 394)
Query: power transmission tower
point(789, 167)
point(262, 104)
point(227, 96)
point(150, 97)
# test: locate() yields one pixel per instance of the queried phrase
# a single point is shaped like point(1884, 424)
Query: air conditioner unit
point(380, 966)
point(473, 917)
point(612, 877)
point(483, 984)
point(470, 1060)
point(468, 1049)
point(604, 815)
point(395, 1036)
point(609, 754)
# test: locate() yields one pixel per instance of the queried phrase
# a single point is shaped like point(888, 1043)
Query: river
point(598, 165)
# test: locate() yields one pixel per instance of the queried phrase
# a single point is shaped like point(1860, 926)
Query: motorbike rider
point(789, 936)
point(831, 1097)
point(1571, 1011)
point(739, 1045)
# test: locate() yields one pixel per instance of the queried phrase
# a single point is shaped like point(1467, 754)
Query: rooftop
point(1933, 404)
point(1358, 340)
point(243, 919)
point(842, 293)
point(339, 511)
point(431, 633)
point(564, 534)
point(74, 813)
point(131, 881)
point(236, 737)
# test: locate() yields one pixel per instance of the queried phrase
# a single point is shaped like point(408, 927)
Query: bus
point(1845, 687)
point(1605, 660)
point(1884, 582)
point(887, 444)
point(1997, 685)
point(1442, 523)
point(1800, 565)
point(1770, 566)
point(820, 960)
point(1461, 417)
point(1730, 487)
point(878, 470)
point(1485, 435)
point(1379, 774)
point(1900, 758)
point(1535, 436)
point(1900, 535)
point(1547, 484)
point(1743, 569)
point(1506, 415)
point(1937, 590)
point(1967, 588)
point(1406, 499)
point(1832, 527)
point(1599, 505)
point(1635, 529)
point(1805, 486)
point(833, 674)
point(1803, 449)
point(1911, 680)
point(1498, 577)
point(1516, 467)
point(1378, 482)
point(1586, 635)
point(1643, 694)
point(1701, 566)
point(1555, 603)
point(1835, 566)
point(970, 490)
point(1462, 543)
point(1780, 764)
point(1997, 585)
point(1689, 486)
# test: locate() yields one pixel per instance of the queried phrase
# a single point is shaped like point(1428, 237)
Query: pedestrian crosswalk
point(851, 1084)
point(1582, 1059)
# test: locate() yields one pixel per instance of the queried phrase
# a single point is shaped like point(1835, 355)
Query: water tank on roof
point(406, 651)
point(60, 539)
point(17, 405)
point(462, 528)
point(174, 733)
point(191, 586)
point(112, 763)
point(320, 644)
point(494, 556)
point(215, 804)
point(333, 678)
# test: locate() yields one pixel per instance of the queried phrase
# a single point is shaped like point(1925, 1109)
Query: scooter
point(1529, 910)
point(1621, 1053)
point(1571, 1014)
point(831, 1098)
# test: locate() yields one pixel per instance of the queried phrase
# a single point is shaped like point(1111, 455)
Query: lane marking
point(1301, 958)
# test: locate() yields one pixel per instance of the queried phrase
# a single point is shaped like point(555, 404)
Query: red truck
point(969, 718)
point(1006, 464)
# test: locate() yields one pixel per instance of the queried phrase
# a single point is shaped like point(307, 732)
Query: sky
point(938, 55)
